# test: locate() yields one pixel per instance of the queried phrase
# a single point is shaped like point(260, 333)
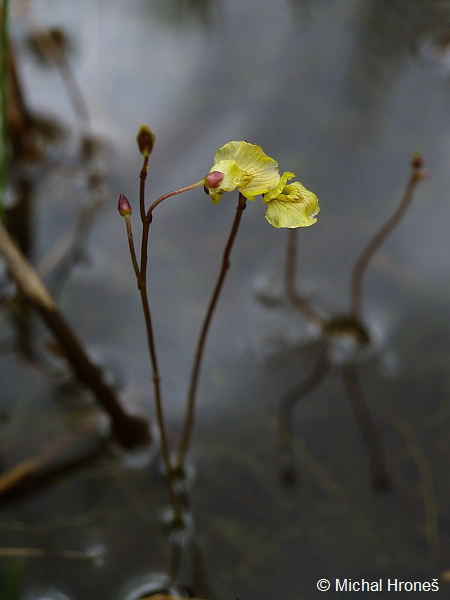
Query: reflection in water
point(343, 340)
point(398, 28)
point(391, 34)
point(185, 577)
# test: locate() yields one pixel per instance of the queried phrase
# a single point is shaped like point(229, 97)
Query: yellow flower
point(245, 167)
point(290, 204)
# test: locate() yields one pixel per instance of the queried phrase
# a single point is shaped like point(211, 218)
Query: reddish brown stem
point(141, 276)
point(190, 405)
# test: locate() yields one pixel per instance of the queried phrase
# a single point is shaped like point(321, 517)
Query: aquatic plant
point(240, 166)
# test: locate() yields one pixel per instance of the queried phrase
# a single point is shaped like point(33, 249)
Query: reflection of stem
point(367, 426)
point(369, 251)
point(191, 558)
point(289, 279)
point(12, 478)
point(287, 405)
point(43, 553)
point(190, 408)
point(426, 484)
point(130, 431)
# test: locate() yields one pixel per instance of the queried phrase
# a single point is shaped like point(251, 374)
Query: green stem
point(190, 406)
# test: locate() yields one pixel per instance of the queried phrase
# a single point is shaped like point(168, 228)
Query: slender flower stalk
point(141, 277)
point(192, 393)
point(358, 272)
point(143, 179)
point(174, 193)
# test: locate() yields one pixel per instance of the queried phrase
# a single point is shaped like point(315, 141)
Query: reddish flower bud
point(145, 140)
point(124, 206)
point(417, 161)
point(212, 180)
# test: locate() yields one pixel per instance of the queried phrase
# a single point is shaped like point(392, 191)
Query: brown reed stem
point(192, 393)
point(130, 431)
point(367, 254)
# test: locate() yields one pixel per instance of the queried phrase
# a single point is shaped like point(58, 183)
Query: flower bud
point(124, 206)
point(417, 167)
point(213, 179)
point(145, 140)
point(416, 161)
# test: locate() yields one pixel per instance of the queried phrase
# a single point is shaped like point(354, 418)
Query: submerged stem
point(369, 431)
point(289, 281)
point(285, 414)
point(190, 406)
point(367, 254)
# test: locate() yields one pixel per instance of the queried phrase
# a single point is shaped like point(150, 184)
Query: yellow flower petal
point(276, 191)
point(294, 207)
point(246, 168)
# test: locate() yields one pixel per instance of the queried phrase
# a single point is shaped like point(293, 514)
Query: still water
point(341, 93)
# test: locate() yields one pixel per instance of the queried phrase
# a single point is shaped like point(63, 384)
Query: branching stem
point(141, 277)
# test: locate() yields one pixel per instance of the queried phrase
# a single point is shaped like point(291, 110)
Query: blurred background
point(341, 93)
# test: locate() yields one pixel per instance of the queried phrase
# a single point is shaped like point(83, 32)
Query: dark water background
point(341, 93)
